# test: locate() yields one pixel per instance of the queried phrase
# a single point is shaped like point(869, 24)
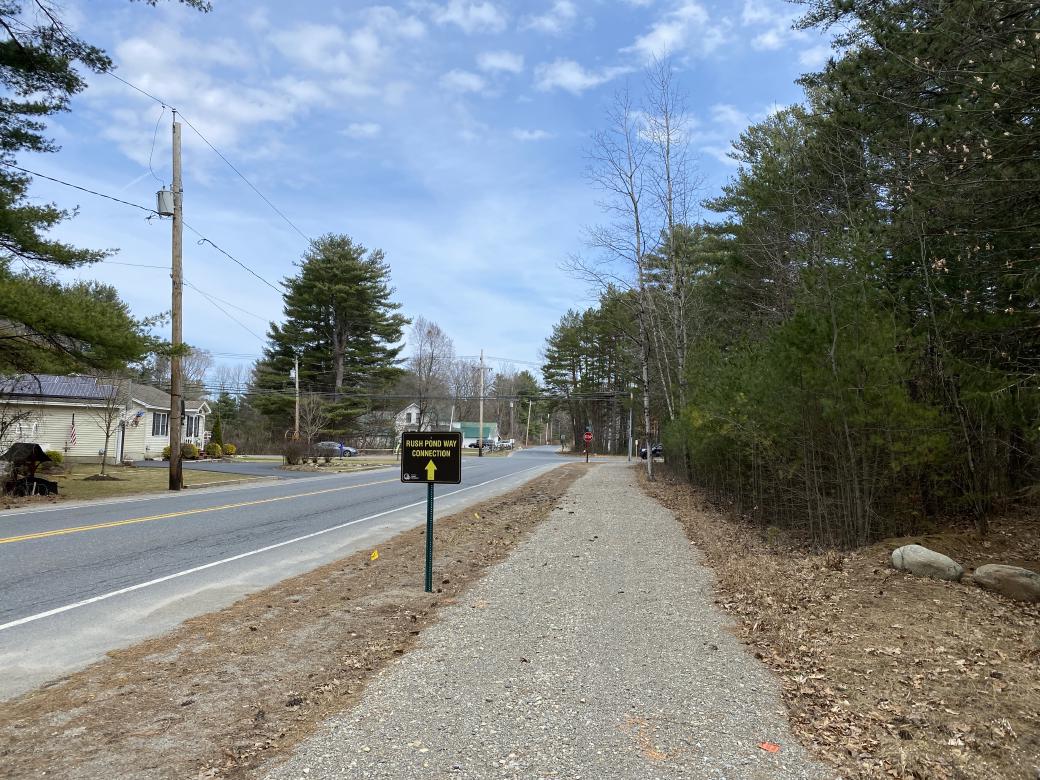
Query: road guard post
point(433, 458)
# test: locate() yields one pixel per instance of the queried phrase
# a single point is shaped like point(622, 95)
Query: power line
point(232, 258)
point(77, 187)
point(217, 152)
point(229, 315)
point(160, 101)
point(155, 134)
point(202, 239)
point(240, 175)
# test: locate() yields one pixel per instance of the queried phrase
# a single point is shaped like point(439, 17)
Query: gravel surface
point(594, 651)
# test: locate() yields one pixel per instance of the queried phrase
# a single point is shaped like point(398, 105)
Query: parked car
point(657, 450)
point(334, 449)
point(506, 444)
point(478, 444)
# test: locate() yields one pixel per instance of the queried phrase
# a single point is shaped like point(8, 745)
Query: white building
point(70, 414)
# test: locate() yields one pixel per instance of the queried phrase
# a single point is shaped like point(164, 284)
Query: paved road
point(76, 582)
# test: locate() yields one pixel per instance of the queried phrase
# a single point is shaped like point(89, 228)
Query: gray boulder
point(922, 562)
point(1011, 581)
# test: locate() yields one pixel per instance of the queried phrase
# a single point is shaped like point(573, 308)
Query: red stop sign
point(588, 436)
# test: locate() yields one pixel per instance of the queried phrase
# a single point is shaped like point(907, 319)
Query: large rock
point(1012, 581)
point(923, 562)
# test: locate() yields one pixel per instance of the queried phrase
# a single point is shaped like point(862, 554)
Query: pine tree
point(47, 325)
point(341, 322)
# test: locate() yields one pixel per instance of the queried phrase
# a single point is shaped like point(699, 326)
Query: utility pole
point(480, 432)
point(631, 404)
point(296, 375)
point(176, 418)
point(527, 433)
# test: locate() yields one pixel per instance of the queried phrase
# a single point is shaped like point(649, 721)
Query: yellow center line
point(134, 520)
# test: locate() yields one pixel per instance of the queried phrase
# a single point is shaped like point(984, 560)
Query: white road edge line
point(240, 556)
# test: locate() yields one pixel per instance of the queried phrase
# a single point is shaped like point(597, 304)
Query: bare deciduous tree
point(429, 365)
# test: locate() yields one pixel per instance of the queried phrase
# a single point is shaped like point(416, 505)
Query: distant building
point(471, 431)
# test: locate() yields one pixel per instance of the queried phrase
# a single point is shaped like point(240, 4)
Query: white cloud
point(815, 57)
point(726, 114)
point(721, 153)
point(463, 81)
point(471, 16)
point(570, 76)
point(362, 130)
point(686, 28)
point(778, 21)
point(557, 19)
point(354, 59)
point(507, 61)
point(531, 135)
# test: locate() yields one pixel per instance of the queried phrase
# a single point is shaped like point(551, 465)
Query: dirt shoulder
point(886, 675)
point(228, 691)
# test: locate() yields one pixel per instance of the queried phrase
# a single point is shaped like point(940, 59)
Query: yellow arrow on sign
point(430, 471)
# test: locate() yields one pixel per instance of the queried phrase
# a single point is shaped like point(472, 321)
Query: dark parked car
point(657, 450)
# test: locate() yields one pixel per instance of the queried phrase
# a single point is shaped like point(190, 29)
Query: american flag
point(72, 432)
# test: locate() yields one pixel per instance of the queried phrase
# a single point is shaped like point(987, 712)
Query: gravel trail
point(594, 651)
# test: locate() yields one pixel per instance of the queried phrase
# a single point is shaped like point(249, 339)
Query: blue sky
point(450, 133)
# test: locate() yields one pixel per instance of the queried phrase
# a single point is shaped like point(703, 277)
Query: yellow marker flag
point(374, 556)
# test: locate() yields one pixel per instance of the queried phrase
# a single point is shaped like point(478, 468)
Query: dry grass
point(886, 675)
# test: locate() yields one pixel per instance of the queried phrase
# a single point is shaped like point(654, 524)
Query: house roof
point(80, 388)
point(85, 388)
point(154, 398)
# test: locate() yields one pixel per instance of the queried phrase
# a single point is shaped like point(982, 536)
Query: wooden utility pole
point(296, 374)
point(177, 274)
point(527, 432)
point(480, 433)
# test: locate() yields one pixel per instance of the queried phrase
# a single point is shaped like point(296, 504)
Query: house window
point(198, 423)
point(160, 423)
point(408, 417)
point(189, 424)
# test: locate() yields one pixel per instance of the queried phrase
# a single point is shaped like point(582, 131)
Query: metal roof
point(50, 386)
point(85, 388)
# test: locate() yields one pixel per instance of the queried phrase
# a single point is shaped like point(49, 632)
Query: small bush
point(189, 452)
point(294, 451)
point(166, 453)
point(230, 449)
point(57, 456)
point(214, 450)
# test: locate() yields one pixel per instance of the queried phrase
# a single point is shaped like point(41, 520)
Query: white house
point(147, 423)
point(70, 414)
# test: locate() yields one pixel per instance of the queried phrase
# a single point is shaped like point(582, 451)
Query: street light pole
point(480, 431)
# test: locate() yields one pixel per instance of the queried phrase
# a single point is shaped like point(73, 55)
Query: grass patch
point(79, 485)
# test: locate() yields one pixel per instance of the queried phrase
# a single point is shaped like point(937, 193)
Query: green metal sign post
point(433, 457)
point(429, 538)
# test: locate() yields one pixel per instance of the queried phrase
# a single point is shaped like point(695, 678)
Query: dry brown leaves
point(885, 675)
point(225, 692)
